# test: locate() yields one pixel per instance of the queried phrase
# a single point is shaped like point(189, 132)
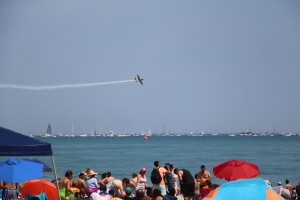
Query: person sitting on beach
point(118, 187)
point(79, 183)
point(91, 183)
point(157, 195)
point(206, 187)
point(108, 181)
point(103, 195)
point(294, 195)
point(149, 193)
point(133, 183)
point(171, 194)
point(128, 194)
point(285, 193)
point(100, 181)
point(65, 185)
point(140, 195)
point(203, 174)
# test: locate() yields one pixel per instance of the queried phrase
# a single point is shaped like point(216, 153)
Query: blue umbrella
point(15, 170)
point(246, 189)
point(46, 168)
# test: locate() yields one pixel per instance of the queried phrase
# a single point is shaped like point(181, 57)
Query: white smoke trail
point(55, 87)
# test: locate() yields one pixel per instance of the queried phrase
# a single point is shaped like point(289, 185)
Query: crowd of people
point(166, 183)
point(288, 191)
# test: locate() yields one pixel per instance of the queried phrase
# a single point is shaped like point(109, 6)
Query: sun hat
point(143, 169)
point(91, 172)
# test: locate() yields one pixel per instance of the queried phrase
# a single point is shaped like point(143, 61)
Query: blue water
point(277, 157)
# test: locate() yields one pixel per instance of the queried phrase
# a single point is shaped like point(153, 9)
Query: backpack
point(155, 176)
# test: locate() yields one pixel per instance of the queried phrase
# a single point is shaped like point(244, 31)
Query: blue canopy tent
point(16, 144)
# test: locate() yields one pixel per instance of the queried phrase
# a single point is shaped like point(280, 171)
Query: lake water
point(277, 157)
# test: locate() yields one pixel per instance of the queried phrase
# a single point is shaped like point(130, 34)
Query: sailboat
point(49, 132)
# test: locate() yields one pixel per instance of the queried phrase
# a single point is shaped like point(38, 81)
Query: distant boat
point(49, 132)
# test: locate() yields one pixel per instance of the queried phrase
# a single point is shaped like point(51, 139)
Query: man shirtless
point(108, 180)
point(118, 186)
point(80, 184)
point(9, 190)
point(203, 174)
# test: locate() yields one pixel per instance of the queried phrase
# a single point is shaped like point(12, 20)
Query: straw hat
point(91, 172)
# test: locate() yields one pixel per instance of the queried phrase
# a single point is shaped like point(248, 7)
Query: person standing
point(288, 185)
point(161, 184)
point(187, 183)
point(169, 177)
point(203, 174)
point(298, 189)
point(142, 180)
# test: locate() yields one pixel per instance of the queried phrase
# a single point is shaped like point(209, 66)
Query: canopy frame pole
point(55, 176)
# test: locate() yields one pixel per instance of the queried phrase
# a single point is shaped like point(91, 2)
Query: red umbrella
point(36, 187)
point(236, 169)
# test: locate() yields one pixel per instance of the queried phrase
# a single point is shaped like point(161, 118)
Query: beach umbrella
point(36, 187)
point(46, 168)
point(247, 189)
point(235, 169)
point(16, 170)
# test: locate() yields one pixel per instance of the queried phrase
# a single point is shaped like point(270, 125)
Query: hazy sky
point(212, 66)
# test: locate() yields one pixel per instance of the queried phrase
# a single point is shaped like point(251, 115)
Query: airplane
point(138, 78)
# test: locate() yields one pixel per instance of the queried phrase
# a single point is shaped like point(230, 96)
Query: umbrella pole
point(55, 175)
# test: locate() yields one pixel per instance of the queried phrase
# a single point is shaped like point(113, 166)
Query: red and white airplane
point(138, 78)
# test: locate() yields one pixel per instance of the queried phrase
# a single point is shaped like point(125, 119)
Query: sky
point(211, 66)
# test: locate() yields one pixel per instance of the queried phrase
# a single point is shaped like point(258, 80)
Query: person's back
point(9, 191)
point(288, 185)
